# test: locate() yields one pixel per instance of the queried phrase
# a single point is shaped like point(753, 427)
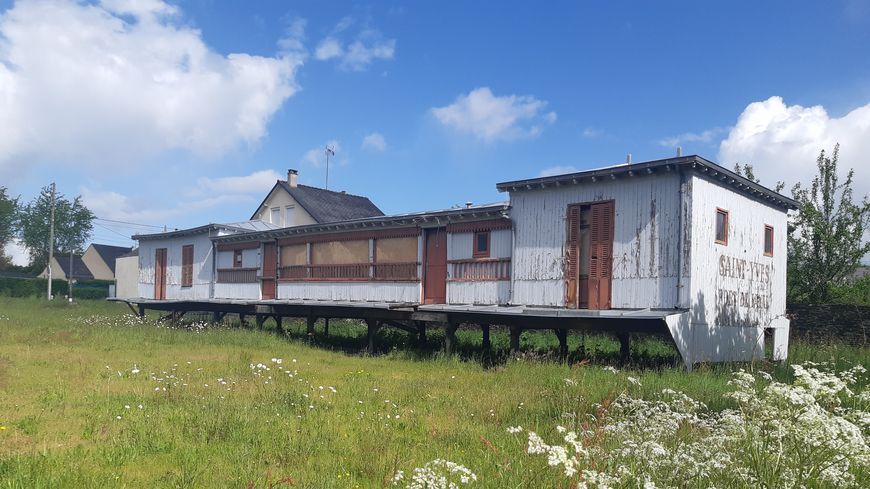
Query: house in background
point(127, 275)
point(291, 204)
point(100, 259)
point(60, 268)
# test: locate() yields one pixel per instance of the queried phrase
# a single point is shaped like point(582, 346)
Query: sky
point(180, 113)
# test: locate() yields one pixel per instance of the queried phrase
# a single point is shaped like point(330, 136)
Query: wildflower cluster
point(437, 474)
point(812, 432)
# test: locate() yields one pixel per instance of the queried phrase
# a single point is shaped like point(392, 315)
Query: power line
point(131, 223)
point(113, 231)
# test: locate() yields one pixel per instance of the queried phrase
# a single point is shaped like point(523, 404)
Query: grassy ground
point(90, 397)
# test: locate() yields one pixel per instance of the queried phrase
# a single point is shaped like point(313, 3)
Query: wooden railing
point(480, 269)
point(349, 272)
point(395, 271)
point(237, 275)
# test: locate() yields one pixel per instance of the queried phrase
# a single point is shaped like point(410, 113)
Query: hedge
point(37, 287)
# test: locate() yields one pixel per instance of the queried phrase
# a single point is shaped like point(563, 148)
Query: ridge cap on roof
point(336, 192)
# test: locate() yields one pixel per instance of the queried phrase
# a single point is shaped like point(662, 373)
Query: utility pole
point(69, 279)
point(51, 241)
point(329, 151)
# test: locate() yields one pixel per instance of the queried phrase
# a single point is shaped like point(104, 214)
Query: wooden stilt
point(279, 325)
point(326, 326)
point(515, 339)
point(141, 311)
point(624, 345)
point(421, 332)
point(310, 324)
point(374, 326)
point(215, 317)
point(259, 319)
point(450, 338)
point(562, 334)
point(487, 345)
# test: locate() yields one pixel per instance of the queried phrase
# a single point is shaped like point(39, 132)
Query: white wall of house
point(99, 269)
point(734, 290)
point(352, 291)
point(645, 246)
point(289, 212)
point(126, 277)
point(202, 266)
point(237, 291)
point(460, 246)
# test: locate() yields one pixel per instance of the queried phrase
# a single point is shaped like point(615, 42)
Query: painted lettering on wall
point(743, 292)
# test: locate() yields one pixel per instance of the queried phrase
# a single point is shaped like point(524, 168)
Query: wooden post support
point(326, 326)
point(279, 325)
point(260, 319)
point(242, 323)
point(562, 334)
point(421, 332)
point(310, 323)
point(487, 344)
point(450, 338)
point(141, 311)
point(215, 317)
point(374, 326)
point(624, 345)
point(515, 339)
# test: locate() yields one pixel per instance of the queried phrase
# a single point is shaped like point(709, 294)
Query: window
point(481, 245)
point(288, 215)
point(721, 226)
point(237, 259)
point(187, 266)
point(275, 218)
point(768, 240)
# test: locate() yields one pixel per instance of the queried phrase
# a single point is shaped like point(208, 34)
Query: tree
point(73, 223)
point(8, 218)
point(746, 171)
point(826, 238)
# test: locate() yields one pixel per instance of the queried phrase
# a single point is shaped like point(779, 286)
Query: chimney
point(628, 159)
point(468, 204)
point(679, 151)
point(292, 177)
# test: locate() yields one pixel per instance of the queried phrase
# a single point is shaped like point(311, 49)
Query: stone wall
point(830, 321)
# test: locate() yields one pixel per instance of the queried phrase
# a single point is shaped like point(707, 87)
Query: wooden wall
point(645, 248)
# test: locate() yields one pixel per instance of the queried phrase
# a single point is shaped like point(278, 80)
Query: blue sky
point(182, 113)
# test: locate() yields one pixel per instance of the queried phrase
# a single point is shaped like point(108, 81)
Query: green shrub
point(37, 287)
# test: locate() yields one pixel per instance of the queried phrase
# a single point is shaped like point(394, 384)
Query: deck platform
point(416, 318)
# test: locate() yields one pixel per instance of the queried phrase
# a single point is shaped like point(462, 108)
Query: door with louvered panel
point(588, 255)
point(600, 255)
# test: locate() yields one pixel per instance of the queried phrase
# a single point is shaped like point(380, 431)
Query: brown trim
point(478, 226)
point(764, 238)
point(475, 253)
point(352, 235)
point(716, 225)
point(248, 245)
point(480, 270)
point(187, 265)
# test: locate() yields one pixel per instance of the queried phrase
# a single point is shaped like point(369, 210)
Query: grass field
point(91, 397)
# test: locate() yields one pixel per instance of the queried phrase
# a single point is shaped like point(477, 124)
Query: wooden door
point(572, 257)
point(160, 274)
point(600, 255)
point(435, 267)
point(270, 271)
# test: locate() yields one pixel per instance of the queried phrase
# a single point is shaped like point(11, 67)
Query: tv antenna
point(330, 151)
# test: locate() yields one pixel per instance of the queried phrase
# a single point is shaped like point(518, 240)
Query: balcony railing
point(350, 272)
point(237, 275)
point(480, 269)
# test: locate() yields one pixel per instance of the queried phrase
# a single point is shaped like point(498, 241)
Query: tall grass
point(219, 410)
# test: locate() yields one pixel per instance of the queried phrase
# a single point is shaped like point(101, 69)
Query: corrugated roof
point(235, 227)
point(110, 253)
point(327, 205)
point(693, 162)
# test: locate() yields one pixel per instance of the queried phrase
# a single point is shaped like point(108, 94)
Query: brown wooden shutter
point(187, 265)
point(572, 256)
point(601, 255)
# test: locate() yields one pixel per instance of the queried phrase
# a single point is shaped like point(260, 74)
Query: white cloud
point(117, 81)
point(208, 193)
point(258, 183)
point(592, 133)
point(557, 170)
point(375, 142)
point(316, 157)
point(328, 48)
point(490, 117)
point(17, 253)
point(705, 137)
point(355, 55)
point(783, 141)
